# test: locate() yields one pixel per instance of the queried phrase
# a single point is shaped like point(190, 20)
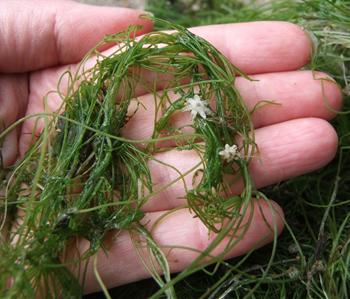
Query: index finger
point(260, 47)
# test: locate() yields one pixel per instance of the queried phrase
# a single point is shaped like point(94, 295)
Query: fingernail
point(313, 39)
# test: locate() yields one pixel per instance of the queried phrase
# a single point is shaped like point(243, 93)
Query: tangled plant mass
point(82, 179)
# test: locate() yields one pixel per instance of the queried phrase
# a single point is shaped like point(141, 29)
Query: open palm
point(293, 137)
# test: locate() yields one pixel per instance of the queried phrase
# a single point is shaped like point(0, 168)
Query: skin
point(41, 39)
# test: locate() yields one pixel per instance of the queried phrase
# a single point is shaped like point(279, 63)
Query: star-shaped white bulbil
point(229, 153)
point(197, 106)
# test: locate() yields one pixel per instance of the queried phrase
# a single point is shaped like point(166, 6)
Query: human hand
point(289, 137)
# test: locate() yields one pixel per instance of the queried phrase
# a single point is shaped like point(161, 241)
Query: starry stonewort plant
point(81, 179)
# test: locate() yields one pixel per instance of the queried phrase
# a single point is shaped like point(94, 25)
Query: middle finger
point(295, 95)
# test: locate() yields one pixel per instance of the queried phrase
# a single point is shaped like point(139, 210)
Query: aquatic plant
point(82, 179)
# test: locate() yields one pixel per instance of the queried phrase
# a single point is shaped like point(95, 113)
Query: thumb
point(42, 33)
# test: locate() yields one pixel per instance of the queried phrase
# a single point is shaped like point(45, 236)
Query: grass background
point(313, 253)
